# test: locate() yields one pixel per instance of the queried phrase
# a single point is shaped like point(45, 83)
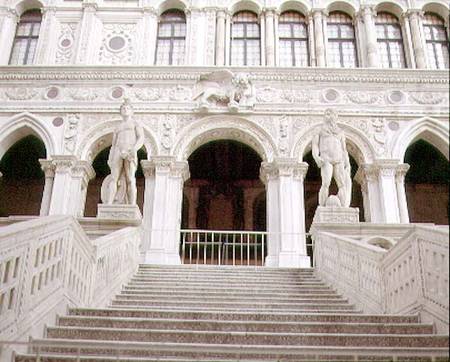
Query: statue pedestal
point(336, 215)
point(119, 212)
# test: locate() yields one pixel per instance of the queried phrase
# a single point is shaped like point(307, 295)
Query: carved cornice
point(139, 73)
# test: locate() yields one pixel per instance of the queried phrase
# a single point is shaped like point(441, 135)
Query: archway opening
point(223, 187)
point(312, 185)
point(226, 202)
point(427, 184)
point(22, 184)
point(101, 168)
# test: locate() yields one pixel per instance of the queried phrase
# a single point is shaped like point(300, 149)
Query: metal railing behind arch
point(235, 248)
point(223, 247)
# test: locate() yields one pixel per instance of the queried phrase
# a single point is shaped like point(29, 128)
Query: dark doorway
point(427, 184)
point(22, 184)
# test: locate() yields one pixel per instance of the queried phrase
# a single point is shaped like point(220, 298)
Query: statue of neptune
point(128, 138)
point(331, 156)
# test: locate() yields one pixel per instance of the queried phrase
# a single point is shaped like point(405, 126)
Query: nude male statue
point(128, 138)
point(331, 156)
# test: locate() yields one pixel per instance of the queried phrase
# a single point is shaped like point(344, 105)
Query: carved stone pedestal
point(336, 214)
point(119, 212)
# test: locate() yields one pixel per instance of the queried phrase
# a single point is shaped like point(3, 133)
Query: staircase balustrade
point(49, 264)
point(410, 277)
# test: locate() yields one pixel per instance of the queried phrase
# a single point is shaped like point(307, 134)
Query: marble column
point(220, 37)
point(368, 14)
point(311, 41)
point(270, 15)
point(60, 203)
point(149, 29)
point(9, 19)
point(415, 23)
point(285, 212)
point(319, 37)
point(382, 189)
point(49, 171)
point(82, 173)
point(401, 171)
point(361, 179)
point(163, 198)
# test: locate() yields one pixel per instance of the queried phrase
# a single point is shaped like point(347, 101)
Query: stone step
point(229, 299)
point(243, 294)
point(245, 305)
point(249, 338)
point(179, 283)
point(221, 289)
point(171, 352)
point(245, 326)
point(246, 276)
point(225, 281)
point(276, 316)
point(222, 269)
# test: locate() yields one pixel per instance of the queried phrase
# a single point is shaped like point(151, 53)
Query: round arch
point(245, 5)
point(100, 137)
point(348, 7)
point(392, 7)
point(358, 146)
point(23, 6)
point(224, 128)
point(297, 5)
point(170, 5)
point(22, 125)
point(439, 8)
point(428, 129)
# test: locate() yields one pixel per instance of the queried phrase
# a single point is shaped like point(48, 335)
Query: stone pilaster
point(319, 36)
point(163, 198)
point(368, 14)
point(220, 36)
point(82, 173)
point(60, 203)
point(270, 17)
point(148, 40)
point(415, 22)
point(8, 23)
point(286, 212)
point(47, 37)
point(90, 34)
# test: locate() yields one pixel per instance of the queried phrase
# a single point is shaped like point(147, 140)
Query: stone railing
point(416, 276)
point(410, 278)
point(49, 264)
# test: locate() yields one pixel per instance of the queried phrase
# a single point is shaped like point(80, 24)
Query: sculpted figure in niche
point(331, 156)
point(236, 91)
point(128, 138)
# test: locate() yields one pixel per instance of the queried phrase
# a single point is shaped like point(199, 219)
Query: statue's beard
point(333, 128)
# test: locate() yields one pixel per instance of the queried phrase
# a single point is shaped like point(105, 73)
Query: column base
point(119, 212)
point(288, 260)
point(161, 257)
point(336, 214)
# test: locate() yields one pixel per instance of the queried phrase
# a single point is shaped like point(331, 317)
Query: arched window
point(171, 42)
point(437, 42)
point(27, 35)
point(390, 41)
point(341, 41)
point(245, 39)
point(293, 34)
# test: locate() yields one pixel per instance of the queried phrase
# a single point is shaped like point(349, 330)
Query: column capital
point(367, 10)
point(149, 10)
point(63, 164)
point(316, 12)
point(413, 13)
point(402, 170)
point(90, 6)
point(272, 11)
point(48, 167)
point(165, 164)
point(10, 13)
point(48, 10)
point(381, 167)
point(84, 170)
point(283, 167)
point(221, 12)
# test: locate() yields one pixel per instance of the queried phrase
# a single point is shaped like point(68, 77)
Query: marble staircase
point(188, 313)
